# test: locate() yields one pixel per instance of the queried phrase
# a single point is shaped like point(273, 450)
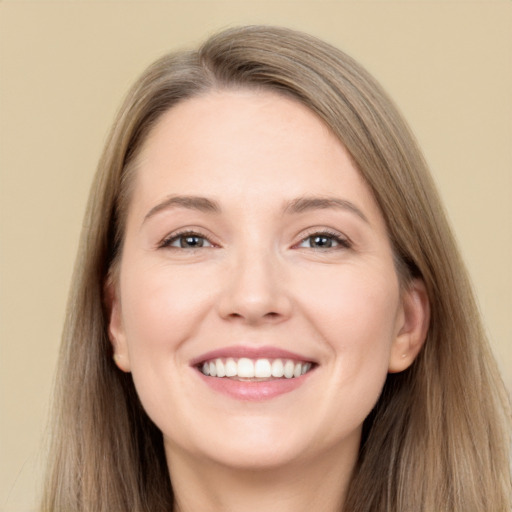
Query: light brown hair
point(438, 438)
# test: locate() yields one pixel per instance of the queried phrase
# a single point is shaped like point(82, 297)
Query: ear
point(115, 325)
point(412, 328)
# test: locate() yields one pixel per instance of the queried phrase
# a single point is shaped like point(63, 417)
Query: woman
point(269, 311)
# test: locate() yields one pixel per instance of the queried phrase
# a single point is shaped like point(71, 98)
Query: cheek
point(161, 308)
point(358, 323)
point(355, 312)
point(355, 305)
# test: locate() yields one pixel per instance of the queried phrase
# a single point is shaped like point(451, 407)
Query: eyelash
point(166, 242)
point(341, 241)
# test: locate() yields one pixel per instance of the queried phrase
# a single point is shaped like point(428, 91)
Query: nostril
point(270, 314)
point(255, 306)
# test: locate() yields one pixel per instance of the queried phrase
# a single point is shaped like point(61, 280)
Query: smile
point(246, 368)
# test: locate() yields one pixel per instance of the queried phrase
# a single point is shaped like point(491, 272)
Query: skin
point(258, 280)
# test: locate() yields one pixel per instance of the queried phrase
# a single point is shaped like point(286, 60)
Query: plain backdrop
point(64, 67)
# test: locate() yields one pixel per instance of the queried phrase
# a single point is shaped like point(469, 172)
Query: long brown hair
point(438, 438)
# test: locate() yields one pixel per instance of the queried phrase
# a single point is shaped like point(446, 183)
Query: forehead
point(254, 146)
point(255, 119)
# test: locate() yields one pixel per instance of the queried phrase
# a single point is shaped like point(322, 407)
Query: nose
point(255, 291)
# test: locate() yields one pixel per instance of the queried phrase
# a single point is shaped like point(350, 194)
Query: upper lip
point(239, 351)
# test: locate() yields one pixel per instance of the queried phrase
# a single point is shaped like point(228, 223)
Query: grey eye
point(320, 241)
point(188, 241)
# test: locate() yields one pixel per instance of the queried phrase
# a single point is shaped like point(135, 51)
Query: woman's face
point(253, 247)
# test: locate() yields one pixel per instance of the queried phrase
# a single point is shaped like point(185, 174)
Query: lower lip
point(253, 391)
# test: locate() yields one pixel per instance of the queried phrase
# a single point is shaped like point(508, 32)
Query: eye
point(188, 240)
point(324, 241)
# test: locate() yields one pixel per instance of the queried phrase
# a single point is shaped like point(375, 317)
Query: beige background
point(64, 69)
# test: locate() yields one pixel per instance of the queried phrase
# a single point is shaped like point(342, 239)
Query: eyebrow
point(296, 206)
point(201, 204)
point(304, 204)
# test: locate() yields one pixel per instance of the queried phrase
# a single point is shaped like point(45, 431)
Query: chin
point(255, 444)
point(245, 456)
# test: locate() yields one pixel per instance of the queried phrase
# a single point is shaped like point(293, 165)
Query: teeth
point(289, 368)
point(277, 368)
point(245, 368)
point(221, 370)
point(231, 367)
point(260, 369)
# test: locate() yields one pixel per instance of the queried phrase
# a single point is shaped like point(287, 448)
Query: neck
point(301, 486)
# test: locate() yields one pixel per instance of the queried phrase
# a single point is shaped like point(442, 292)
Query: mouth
point(255, 374)
point(254, 370)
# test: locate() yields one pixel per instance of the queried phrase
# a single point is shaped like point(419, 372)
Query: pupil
point(322, 241)
point(191, 241)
